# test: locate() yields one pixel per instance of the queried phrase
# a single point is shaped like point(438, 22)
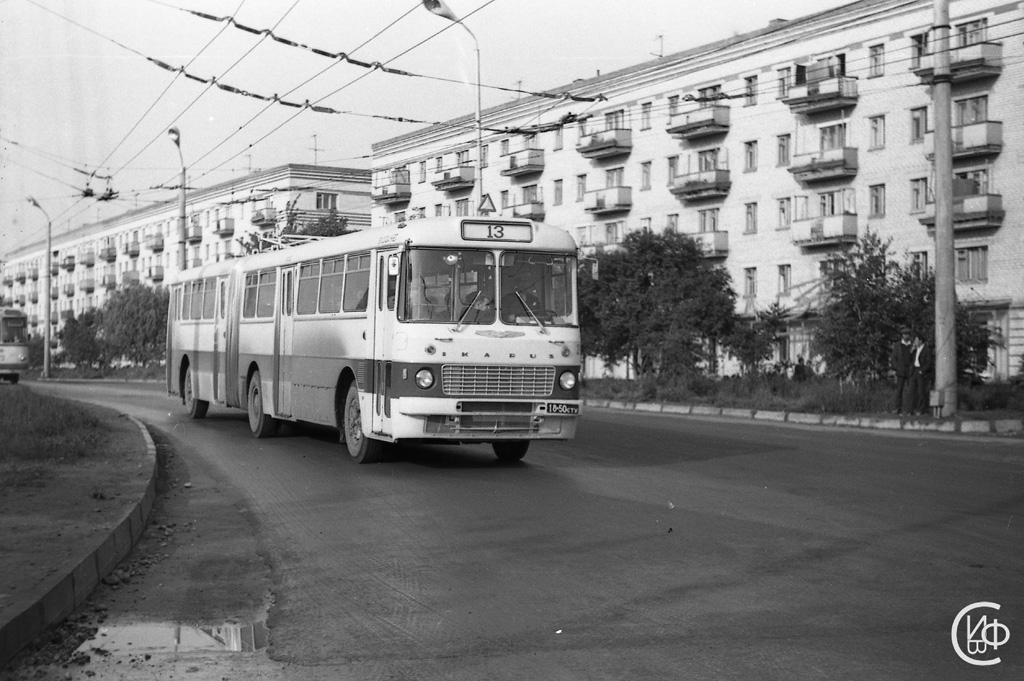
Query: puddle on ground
point(163, 637)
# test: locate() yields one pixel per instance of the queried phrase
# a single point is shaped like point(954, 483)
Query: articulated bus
point(13, 343)
point(455, 330)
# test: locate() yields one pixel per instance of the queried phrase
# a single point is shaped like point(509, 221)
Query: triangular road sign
point(486, 206)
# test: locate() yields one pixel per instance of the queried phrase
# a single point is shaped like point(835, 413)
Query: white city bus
point(462, 330)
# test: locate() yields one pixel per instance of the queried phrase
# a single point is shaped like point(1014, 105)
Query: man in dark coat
point(922, 361)
point(901, 361)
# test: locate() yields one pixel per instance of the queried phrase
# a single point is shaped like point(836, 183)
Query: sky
point(84, 106)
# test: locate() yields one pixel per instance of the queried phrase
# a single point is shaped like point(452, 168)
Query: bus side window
point(287, 299)
point(265, 295)
point(223, 306)
point(309, 282)
point(209, 299)
point(357, 283)
point(249, 305)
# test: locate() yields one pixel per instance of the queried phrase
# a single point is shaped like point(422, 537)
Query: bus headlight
point(425, 378)
point(567, 380)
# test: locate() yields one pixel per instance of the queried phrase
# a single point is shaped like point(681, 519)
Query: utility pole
point(182, 231)
point(945, 261)
point(315, 150)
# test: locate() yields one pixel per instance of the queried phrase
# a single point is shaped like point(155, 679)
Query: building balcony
point(532, 210)
point(130, 277)
point(33, 320)
point(975, 211)
point(33, 273)
point(225, 227)
point(20, 300)
point(69, 290)
point(68, 263)
point(610, 200)
point(65, 315)
point(54, 268)
point(396, 190)
point(712, 244)
point(8, 280)
point(970, 141)
point(88, 259)
point(523, 162)
point(155, 242)
point(54, 318)
point(829, 164)
point(265, 218)
point(967, 63)
point(109, 281)
point(54, 292)
point(193, 234)
point(453, 179)
point(607, 143)
point(20, 276)
point(87, 285)
point(156, 273)
point(195, 262)
point(33, 297)
point(818, 96)
point(826, 230)
point(704, 122)
point(707, 184)
point(132, 249)
point(108, 254)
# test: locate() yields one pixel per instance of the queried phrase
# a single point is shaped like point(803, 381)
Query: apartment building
point(144, 245)
point(773, 149)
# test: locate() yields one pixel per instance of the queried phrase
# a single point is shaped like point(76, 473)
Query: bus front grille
point(470, 379)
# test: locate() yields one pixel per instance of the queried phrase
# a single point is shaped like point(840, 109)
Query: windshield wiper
point(458, 326)
point(543, 329)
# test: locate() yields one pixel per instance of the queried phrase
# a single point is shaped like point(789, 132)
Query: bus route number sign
point(495, 231)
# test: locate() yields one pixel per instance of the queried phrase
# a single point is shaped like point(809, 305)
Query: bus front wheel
point(261, 424)
point(196, 407)
point(361, 448)
point(510, 450)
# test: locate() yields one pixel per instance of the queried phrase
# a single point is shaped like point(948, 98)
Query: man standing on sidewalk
point(901, 361)
point(921, 365)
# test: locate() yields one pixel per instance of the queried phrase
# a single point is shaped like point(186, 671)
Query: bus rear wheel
point(261, 424)
point(196, 408)
point(510, 450)
point(361, 448)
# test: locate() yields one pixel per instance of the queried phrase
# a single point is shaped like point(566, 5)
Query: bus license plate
point(554, 408)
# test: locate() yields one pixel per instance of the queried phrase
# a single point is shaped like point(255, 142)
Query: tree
point(752, 342)
point(134, 323)
point(659, 305)
point(81, 340)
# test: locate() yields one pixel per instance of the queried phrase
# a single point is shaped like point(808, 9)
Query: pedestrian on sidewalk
point(901, 364)
point(921, 365)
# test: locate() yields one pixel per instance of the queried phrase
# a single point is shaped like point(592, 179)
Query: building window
point(707, 220)
point(918, 49)
point(423, 171)
point(613, 177)
point(709, 96)
point(462, 207)
point(785, 279)
point(462, 158)
point(559, 139)
point(438, 210)
point(877, 196)
point(645, 116)
point(970, 111)
point(972, 264)
point(504, 147)
point(919, 264)
point(326, 201)
point(838, 202)
point(672, 223)
point(484, 154)
point(918, 194)
point(750, 156)
point(876, 61)
point(785, 81)
point(673, 105)
point(707, 160)
point(581, 187)
point(645, 175)
point(785, 213)
point(971, 33)
point(613, 232)
point(833, 137)
point(439, 164)
point(645, 224)
point(750, 90)
point(750, 219)
point(918, 124)
point(558, 193)
point(615, 120)
point(783, 146)
point(673, 167)
point(504, 199)
point(877, 124)
point(750, 282)
point(978, 180)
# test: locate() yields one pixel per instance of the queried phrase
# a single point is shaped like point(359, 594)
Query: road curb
point(58, 596)
point(1005, 427)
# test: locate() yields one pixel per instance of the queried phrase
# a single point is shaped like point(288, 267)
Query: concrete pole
point(945, 260)
point(182, 232)
point(47, 308)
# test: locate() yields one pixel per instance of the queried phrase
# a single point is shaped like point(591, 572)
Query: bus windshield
point(459, 287)
point(12, 330)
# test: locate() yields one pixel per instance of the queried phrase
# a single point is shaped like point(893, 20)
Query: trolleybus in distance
point(13, 343)
point(454, 330)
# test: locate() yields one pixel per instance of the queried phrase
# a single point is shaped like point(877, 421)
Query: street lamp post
point(182, 236)
point(441, 9)
point(49, 285)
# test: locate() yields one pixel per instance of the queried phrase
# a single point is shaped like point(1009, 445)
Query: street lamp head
point(175, 136)
point(34, 202)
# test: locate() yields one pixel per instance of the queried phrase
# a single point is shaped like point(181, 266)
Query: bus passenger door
point(283, 378)
point(220, 345)
point(384, 328)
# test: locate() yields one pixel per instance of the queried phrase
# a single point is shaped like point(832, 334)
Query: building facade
point(144, 246)
point(773, 149)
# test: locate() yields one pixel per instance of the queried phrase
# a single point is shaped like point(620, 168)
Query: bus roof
point(446, 232)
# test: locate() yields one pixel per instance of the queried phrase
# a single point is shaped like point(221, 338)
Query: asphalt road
point(652, 547)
